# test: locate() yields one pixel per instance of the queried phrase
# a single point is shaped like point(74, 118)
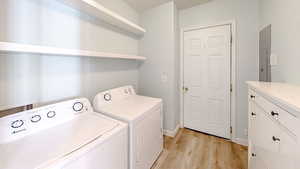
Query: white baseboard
point(172, 133)
point(241, 141)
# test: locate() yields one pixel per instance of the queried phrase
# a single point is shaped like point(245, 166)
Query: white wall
point(28, 79)
point(285, 19)
point(245, 13)
point(158, 45)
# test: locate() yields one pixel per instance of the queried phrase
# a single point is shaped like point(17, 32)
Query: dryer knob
point(126, 91)
point(107, 97)
point(78, 106)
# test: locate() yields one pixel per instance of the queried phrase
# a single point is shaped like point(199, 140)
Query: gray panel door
point(264, 54)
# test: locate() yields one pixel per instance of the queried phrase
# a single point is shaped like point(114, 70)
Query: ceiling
point(183, 4)
point(142, 5)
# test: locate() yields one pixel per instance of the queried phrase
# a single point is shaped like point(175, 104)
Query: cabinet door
point(289, 149)
point(266, 130)
point(255, 160)
point(263, 131)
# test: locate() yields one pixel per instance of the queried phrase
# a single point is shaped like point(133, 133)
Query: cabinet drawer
point(263, 103)
point(268, 107)
point(265, 130)
point(289, 152)
point(289, 121)
point(286, 119)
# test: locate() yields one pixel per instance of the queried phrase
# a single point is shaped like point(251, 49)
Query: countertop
point(284, 95)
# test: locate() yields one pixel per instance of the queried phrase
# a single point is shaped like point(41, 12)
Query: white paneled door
point(207, 78)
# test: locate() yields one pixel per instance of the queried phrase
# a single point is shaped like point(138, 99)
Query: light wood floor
point(194, 150)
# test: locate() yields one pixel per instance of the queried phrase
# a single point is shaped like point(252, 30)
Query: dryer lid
point(129, 108)
point(49, 146)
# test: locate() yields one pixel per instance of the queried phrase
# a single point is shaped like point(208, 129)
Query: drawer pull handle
point(253, 114)
point(274, 114)
point(252, 96)
point(275, 139)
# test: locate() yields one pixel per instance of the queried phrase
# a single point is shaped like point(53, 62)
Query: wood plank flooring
point(194, 150)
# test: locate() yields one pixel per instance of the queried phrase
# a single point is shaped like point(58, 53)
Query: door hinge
point(231, 39)
point(231, 129)
point(231, 87)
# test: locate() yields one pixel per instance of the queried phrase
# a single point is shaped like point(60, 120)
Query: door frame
point(232, 23)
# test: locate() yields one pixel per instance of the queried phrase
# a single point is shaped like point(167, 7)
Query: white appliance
point(66, 135)
point(144, 116)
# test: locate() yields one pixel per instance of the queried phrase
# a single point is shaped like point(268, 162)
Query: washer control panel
point(30, 121)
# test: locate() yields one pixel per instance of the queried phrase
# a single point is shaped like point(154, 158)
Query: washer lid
point(130, 108)
point(46, 147)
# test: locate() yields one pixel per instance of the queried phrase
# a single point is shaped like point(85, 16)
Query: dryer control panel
point(24, 123)
point(113, 95)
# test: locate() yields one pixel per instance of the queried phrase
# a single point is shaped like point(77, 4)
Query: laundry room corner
point(161, 23)
point(149, 84)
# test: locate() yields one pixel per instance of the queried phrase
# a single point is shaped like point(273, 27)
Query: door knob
point(185, 89)
point(253, 114)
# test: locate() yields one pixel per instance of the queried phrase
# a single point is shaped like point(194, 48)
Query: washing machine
point(144, 118)
point(66, 135)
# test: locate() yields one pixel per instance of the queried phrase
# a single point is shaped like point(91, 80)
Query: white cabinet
point(273, 134)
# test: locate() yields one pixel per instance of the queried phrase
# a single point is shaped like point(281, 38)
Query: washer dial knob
point(17, 124)
point(36, 118)
point(78, 106)
point(51, 114)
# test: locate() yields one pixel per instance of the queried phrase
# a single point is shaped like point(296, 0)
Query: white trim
point(240, 141)
point(233, 71)
point(36, 49)
point(172, 133)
